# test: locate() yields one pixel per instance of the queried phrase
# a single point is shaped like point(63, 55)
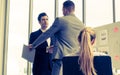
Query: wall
point(108, 41)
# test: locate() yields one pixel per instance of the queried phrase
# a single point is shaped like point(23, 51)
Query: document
point(28, 54)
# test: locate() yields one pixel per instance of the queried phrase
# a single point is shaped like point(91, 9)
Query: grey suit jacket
point(65, 31)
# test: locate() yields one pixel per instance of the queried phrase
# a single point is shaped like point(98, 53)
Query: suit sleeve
point(50, 32)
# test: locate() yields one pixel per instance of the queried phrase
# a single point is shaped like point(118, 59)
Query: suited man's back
point(66, 37)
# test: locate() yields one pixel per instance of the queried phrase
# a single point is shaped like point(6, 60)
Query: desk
point(102, 65)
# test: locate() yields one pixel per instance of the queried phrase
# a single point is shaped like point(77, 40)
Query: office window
point(117, 6)
point(17, 36)
point(42, 6)
point(98, 12)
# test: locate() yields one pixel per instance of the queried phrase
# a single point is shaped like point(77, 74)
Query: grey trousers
point(57, 67)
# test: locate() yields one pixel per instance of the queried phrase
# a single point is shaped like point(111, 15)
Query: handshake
point(49, 49)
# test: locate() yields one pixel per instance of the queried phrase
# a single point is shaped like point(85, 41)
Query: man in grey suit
point(65, 31)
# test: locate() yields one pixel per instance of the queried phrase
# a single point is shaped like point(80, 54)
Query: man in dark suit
point(65, 31)
point(41, 64)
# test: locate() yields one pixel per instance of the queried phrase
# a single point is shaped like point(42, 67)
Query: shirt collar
point(43, 30)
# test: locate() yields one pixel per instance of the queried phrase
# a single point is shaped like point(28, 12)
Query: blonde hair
point(85, 38)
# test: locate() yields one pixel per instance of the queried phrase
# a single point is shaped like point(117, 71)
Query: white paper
point(103, 37)
point(28, 54)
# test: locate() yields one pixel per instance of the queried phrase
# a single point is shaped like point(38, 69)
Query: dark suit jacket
point(41, 64)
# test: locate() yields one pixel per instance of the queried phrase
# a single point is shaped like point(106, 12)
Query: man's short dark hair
point(41, 15)
point(69, 5)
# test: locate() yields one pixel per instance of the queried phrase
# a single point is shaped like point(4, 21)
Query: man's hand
point(30, 47)
point(49, 49)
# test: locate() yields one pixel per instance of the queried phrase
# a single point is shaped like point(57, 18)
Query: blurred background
point(19, 17)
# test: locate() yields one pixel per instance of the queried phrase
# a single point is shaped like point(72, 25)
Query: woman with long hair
point(86, 40)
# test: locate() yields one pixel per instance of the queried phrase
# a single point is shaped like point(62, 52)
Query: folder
point(28, 54)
